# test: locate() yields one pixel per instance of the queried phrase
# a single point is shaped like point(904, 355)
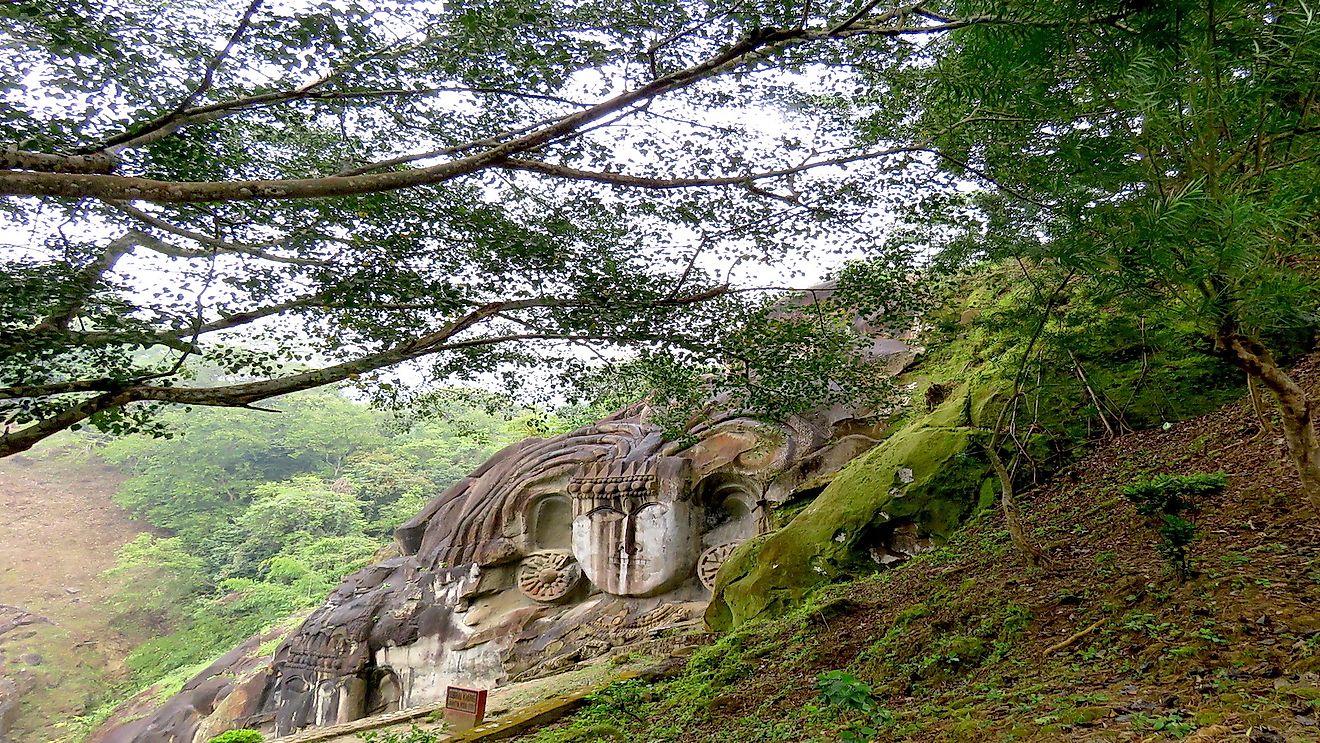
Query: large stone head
point(635, 530)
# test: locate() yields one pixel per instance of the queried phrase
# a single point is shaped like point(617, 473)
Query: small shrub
point(415, 735)
point(844, 690)
point(242, 735)
point(1172, 725)
point(1166, 500)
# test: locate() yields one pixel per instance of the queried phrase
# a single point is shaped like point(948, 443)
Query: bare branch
point(623, 179)
point(88, 280)
point(208, 77)
point(442, 152)
point(165, 125)
point(152, 243)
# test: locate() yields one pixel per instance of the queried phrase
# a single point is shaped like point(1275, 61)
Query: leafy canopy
point(304, 194)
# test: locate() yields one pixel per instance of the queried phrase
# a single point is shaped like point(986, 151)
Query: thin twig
point(1056, 647)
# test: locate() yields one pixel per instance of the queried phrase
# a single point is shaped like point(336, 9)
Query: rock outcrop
point(917, 484)
point(552, 553)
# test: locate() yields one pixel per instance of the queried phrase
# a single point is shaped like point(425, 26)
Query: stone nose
point(630, 537)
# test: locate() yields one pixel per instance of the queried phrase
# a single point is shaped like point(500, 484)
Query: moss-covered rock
point(930, 475)
point(1143, 364)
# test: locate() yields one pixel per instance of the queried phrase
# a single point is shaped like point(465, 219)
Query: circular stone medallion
point(710, 561)
point(548, 576)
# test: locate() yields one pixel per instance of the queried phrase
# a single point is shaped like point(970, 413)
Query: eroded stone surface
point(552, 553)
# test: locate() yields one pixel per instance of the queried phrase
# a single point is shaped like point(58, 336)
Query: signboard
point(464, 708)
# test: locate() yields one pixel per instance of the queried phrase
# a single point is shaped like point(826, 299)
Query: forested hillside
point(245, 518)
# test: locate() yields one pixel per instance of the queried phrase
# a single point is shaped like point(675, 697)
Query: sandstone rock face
point(883, 507)
point(553, 552)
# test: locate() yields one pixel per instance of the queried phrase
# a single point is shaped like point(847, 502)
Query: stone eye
point(649, 506)
point(605, 513)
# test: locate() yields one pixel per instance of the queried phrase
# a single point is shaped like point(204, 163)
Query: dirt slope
point(967, 644)
point(58, 531)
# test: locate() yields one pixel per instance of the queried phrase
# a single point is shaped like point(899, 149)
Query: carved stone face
point(635, 532)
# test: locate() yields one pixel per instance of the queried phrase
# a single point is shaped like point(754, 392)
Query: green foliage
point(1172, 494)
point(160, 580)
point(196, 482)
point(845, 691)
point(298, 510)
point(1168, 163)
point(621, 698)
point(414, 735)
point(842, 689)
point(1102, 357)
point(1173, 725)
point(1165, 499)
point(239, 736)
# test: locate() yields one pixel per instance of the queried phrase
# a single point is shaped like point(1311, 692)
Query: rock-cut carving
point(549, 576)
point(553, 552)
point(710, 561)
point(634, 526)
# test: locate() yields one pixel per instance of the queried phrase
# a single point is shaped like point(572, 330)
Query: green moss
point(926, 474)
point(965, 649)
point(916, 611)
point(1142, 363)
point(1308, 693)
point(988, 495)
point(1205, 718)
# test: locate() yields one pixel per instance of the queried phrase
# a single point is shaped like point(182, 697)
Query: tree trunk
point(1298, 412)
point(1257, 404)
point(1017, 530)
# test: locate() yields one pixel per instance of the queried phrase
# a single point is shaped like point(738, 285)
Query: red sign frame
point(466, 702)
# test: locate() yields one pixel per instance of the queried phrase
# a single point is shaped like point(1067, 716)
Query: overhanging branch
point(223, 246)
point(118, 393)
point(751, 48)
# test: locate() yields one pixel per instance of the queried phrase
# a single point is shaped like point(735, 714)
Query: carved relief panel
point(635, 530)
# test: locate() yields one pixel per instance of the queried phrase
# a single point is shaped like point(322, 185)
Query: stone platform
point(512, 710)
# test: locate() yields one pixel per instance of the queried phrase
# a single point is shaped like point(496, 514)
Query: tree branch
point(87, 281)
point(748, 49)
point(623, 179)
point(165, 125)
point(12, 158)
point(13, 442)
point(208, 76)
point(247, 393)
point(150, 242)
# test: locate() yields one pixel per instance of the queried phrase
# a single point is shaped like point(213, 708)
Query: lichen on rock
point(926, 475)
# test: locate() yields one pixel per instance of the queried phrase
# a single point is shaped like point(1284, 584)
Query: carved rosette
point(549, 576)
point(710, 561)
